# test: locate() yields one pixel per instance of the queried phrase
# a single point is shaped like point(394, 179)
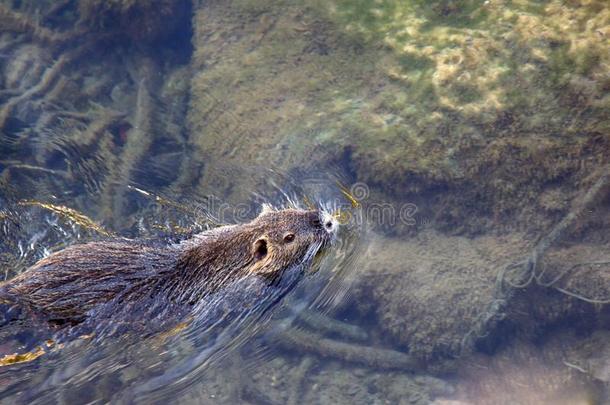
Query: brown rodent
point(69, 286)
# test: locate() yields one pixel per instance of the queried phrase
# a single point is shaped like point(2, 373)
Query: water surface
point(466, 144)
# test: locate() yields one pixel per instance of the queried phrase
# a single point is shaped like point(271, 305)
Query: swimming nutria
point(72, 285)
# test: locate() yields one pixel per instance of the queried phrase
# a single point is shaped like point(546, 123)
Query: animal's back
point(69, 283)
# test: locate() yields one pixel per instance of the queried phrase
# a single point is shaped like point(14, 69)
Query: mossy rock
point(429, 292)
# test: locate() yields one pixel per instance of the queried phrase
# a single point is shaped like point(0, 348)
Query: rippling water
point(182, 358)
point(462, 144)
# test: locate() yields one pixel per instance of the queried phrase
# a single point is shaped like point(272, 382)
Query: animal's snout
point(324, 221)
point(329, 222)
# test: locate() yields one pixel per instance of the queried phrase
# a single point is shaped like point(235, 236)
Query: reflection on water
point(464, 145)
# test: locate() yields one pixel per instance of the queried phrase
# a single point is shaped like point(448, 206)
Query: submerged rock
point(441, 297)
point(429, 292)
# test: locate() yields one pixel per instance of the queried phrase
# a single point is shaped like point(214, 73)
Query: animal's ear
point(259, 249)
point(265, 209)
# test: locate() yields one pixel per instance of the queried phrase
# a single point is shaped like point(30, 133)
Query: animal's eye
point(289, 237)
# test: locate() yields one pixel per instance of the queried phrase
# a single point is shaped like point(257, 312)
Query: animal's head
point(288, 237)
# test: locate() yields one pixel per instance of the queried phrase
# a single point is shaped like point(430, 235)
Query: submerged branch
point(369, 356)
point(47, 79)
point(24, 166)
point(299, 376)
point(526, 271)
point(323, 323)
point(138, 142)
point(16, 22)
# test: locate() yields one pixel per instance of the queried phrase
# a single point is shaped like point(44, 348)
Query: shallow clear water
point(464, 145)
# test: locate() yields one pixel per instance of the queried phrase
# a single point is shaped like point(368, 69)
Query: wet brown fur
point(69, 283)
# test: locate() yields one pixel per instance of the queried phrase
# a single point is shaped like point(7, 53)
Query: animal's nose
point(323, 220)
point(329, 222)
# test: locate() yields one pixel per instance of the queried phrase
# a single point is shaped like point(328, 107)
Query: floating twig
point(32, 355)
